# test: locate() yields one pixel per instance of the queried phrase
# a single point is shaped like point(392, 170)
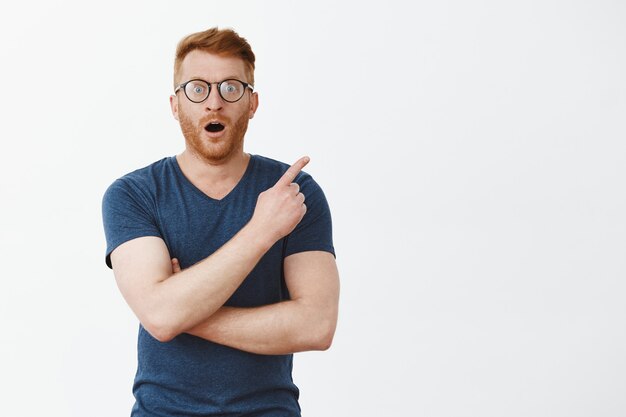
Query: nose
point(214, 101)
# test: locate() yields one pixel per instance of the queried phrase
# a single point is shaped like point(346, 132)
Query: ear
point(254, 104)
point(174, 106)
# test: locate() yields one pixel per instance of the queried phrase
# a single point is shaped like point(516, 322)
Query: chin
point(212, 152)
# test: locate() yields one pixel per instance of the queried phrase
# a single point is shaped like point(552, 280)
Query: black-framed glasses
point(230, 90)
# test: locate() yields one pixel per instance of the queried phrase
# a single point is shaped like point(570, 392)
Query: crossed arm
point(306, 322)
point(191, 301)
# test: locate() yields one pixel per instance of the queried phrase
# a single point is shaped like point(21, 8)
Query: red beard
point(213, 150)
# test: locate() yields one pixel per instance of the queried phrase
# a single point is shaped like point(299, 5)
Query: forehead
point(211, 67)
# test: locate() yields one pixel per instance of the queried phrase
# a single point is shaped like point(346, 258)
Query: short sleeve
point(314, 232)
point(127, 213)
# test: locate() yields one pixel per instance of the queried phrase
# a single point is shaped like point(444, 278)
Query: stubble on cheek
point(187, 127)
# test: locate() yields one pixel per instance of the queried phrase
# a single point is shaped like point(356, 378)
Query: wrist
point(259, 236)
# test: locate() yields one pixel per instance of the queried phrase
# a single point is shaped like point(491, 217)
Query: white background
point(472, 153)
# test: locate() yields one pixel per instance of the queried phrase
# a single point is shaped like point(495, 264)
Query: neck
point(206, 171)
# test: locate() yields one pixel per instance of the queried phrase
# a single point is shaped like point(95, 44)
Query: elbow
point(323, 344)
point(327, 340)
point(324, 336)
point(162, 335)
point(161, 330)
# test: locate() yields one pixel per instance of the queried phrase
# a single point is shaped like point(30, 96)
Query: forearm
point(187, 298)
point(275, 329)
point(169, 303)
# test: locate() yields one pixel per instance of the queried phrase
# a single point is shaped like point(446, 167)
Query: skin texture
point(193, 117)
point(209, 151)
point(213, 162)
point(169, 301)
point(306, 322)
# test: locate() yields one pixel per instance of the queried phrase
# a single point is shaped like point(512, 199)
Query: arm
point(306, 322)
point(168, 304)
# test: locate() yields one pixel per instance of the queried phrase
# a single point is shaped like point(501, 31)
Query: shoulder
point(275, 169)
point(271, 166)
point(140, 185)
point(144, 178)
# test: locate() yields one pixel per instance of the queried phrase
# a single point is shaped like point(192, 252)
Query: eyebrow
point(230, 77)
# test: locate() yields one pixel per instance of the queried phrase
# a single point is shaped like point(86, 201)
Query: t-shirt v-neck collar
point(196, 190)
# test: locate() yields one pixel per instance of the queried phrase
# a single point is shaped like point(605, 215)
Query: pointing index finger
point(293, 171)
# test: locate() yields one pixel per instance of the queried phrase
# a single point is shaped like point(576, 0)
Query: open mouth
point(214, 127)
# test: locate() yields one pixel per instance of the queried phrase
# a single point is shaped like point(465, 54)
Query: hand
point(175, 266)
point(280, 208)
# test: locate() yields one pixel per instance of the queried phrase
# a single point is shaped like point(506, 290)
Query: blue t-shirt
point(190, 375)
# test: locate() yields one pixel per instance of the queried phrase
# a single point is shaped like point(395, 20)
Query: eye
point(231, 87)
point(196, 89)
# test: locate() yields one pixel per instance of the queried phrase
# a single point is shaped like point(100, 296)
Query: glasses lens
point(231, 90)
point(197, 90)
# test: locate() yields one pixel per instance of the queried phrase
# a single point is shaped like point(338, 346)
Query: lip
point(215, 135)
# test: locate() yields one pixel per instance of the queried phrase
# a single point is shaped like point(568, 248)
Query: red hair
point(217, 41)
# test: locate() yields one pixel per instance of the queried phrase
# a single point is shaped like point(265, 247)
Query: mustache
point(212, 119)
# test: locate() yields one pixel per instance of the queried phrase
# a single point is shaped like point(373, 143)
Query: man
point(227, 268)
